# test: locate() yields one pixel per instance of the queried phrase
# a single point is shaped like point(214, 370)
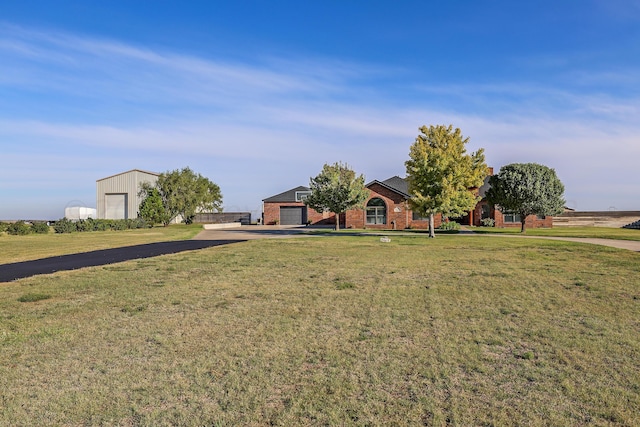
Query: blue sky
point(258, 95)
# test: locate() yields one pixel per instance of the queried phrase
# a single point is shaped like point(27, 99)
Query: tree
point(152, 210)
point(336, 189)
point(441, 175)
point(184, 193)
point(526, 189)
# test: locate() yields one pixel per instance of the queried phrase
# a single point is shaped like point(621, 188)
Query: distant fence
point(218, 218)
point(596, 218)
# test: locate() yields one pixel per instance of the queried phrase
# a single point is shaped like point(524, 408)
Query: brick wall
point(531, 221)
point(396, 210)
point(399, 216)
point(271, 214)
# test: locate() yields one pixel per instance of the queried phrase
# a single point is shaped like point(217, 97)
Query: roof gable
point(395, 184)
point(287, 196)
point(130, 171)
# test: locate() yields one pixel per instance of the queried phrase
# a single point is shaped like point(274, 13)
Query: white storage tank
point(76, 213)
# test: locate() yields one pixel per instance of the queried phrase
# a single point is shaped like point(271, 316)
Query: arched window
point(376, 211)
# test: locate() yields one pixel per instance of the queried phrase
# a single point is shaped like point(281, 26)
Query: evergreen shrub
point(40, 228)
point(64, 225)
point(19, 228)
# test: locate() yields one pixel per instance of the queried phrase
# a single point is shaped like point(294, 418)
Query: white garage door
point(116, 206)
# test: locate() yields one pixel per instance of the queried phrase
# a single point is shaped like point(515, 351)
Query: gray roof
point(482, 191)
point(287, 196)
point(395, 183)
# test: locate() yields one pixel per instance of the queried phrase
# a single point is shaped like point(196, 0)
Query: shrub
point(19, 228)
point(84, 225)
point(141, 223)
point(100, 224)
point(40, 228)
point(3, 227)
point(152, 209)
point(487, 222)
point(64, 225)
point(135, 223)
point(119, 225)
point(449, 226)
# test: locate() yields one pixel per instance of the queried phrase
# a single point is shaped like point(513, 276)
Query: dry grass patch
point(583, 232)
point(331, 331)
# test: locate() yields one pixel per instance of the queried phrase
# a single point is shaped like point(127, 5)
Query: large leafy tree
point(152, 209)
point(441, 174)
point(526, 189)
point(336, 189)
point(185, 193)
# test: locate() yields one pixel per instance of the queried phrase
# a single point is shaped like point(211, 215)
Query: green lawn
point(35, 246)
point(586, 232)
point(336, 330)
point(589, 232)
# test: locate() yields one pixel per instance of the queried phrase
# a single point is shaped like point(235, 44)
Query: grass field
point(587, 232)
point(584, 232)
point(35, 246)
point(336, 330)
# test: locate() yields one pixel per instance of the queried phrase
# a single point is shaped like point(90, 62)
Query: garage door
point(116, 206)
point(293, 215)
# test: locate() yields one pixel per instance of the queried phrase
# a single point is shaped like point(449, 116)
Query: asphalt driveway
point(19, 270)
point(205, 239)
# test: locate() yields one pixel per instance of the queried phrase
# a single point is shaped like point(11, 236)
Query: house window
point(415, 216)
point(486, 212)
point(376, 211)
point(511, 217)
point(541, 217)
point(301, 195)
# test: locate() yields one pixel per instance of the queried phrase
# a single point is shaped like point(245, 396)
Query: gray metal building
point(117, 195)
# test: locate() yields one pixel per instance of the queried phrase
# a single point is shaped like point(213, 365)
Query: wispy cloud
point(95, 68)
point(260, 126)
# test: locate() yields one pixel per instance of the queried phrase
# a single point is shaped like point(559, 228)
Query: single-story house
point(386, 207)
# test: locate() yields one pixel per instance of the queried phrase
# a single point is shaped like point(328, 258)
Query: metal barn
point(117, 195)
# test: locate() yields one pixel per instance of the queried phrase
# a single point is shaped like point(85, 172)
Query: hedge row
point(22, 228)
point(65, 225)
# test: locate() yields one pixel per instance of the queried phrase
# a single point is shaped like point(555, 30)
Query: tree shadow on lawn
point(19, 270)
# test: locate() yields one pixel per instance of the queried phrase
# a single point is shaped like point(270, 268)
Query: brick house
point(484, 210)
point(386, 207)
